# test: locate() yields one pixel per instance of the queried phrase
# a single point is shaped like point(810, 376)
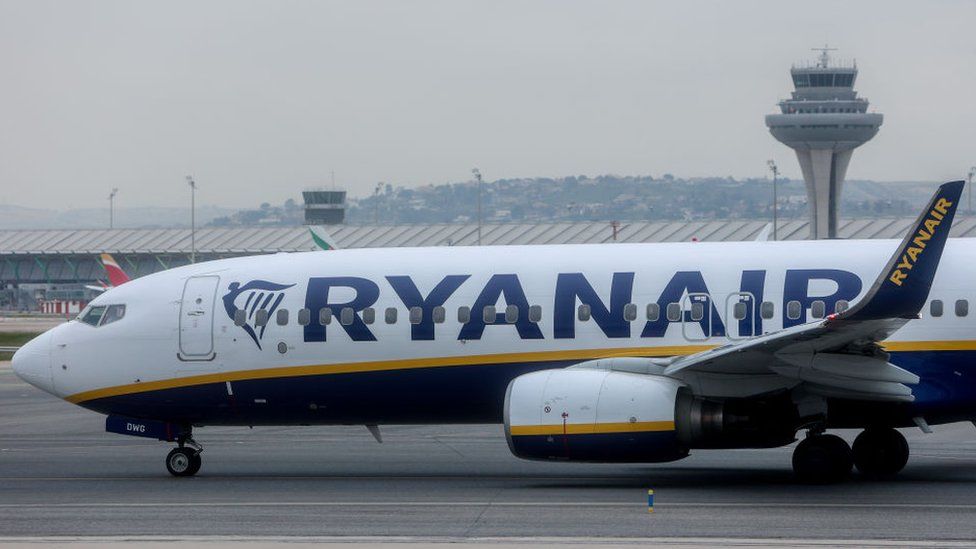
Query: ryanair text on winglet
point(917, 245)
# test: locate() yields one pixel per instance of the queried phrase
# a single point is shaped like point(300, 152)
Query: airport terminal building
point(55, 264)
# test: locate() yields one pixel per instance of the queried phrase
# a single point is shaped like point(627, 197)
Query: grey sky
point(260, 99)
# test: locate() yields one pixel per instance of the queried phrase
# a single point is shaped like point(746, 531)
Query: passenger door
point(197, 318)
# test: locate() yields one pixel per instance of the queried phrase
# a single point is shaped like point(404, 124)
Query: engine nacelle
point(593, 415)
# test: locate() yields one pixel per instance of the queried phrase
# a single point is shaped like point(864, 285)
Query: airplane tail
point(902, 288)
point(116, 276)
point(321, 238)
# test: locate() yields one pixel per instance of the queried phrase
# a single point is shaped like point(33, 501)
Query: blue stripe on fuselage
point(475, 394)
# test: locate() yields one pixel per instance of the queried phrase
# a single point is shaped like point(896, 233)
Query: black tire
point(880, 453)
point(822, 459)
point(183, 462)
point(195, 463)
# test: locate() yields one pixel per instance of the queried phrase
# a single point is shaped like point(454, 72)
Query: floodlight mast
point(477, 175)
point(111, 207)
point(193, 219)
point(775, 170)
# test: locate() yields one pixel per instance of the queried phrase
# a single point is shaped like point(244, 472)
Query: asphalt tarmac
point(62, 475)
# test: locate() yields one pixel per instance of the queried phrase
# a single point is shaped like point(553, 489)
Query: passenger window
point(325, 316)
point(261, 317)
point(697, 311)
point(304, 317)
point(653, 311)
point(793, 310)
point(818, 308)
point(739, 311)
point(511, 314)
point(391, 315)
point(767, 310)
point(281, 317)
point(347, 315)
point(841, 306)
point(584, 312)
point(535, 313)
point(489, 314)
point(674, 312)
point(94, 315)
point(936, 308)
point(630, 312)
point(439, 314)
point(416, 315)
point(464, 314)
point(240, 317)
point(369, 315)
point(962, 307)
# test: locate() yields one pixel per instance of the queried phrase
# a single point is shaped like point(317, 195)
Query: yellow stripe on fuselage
point(385, 365)
point(444, 362)
point(592, 428)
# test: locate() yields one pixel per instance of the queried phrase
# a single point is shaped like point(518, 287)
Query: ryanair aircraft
point(601, 353)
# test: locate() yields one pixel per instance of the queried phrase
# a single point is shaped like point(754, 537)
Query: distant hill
point(625, 198)
point(17, 217)
point(578, 198)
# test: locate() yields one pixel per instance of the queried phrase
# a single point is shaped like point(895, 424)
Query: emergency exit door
point(197, 318)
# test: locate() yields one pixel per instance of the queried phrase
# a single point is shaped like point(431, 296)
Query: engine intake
point(592, 415)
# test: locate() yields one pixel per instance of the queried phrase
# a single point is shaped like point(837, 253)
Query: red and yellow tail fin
point(116, 276)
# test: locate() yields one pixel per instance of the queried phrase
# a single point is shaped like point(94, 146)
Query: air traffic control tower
point(824, 121)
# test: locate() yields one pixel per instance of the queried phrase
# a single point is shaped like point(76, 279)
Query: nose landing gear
point(184, 461)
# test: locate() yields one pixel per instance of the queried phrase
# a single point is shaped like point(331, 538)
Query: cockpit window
point(93, 316)
point(101, 315)
point(113, 313)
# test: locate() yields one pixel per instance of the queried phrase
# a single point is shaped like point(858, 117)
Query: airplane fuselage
point(435, 335)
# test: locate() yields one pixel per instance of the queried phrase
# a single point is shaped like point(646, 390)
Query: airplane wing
point(94, 288)
point(840, 356)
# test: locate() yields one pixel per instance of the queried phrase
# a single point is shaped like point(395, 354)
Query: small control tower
point(824, 121)
point(324, 207)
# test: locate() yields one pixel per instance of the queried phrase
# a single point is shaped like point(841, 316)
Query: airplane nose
point(32, 362)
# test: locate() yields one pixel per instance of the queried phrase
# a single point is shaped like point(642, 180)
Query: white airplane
point(609, 353)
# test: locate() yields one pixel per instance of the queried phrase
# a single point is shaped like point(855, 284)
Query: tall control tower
point(824, 121)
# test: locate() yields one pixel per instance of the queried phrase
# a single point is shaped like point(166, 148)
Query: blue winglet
point(903, 286)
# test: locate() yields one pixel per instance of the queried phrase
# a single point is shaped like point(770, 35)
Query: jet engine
point(595, 415)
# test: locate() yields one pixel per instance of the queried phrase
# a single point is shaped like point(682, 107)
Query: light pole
point(969, 185)
point(775, 170)
point(376, 203)
point(193, 218)
point(477, 175)
point(111, 208)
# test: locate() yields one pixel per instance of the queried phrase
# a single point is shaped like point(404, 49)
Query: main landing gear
point(184, 461)
point(879, 452)
point(822, 459)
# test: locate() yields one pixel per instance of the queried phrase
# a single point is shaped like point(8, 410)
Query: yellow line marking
point(443, 362)
point(592, 428)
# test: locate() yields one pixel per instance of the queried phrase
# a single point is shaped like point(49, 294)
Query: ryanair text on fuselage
point(607, 311)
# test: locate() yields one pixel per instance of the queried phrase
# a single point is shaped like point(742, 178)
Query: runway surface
point(62, 475)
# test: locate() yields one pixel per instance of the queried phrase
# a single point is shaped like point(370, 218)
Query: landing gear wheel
point(183, 462)
point(880, 452)
point(822, 459)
